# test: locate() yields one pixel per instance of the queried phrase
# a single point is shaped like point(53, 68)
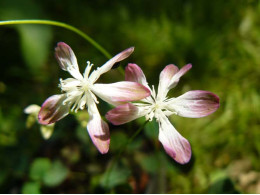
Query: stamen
point(87, 70)
point(94, 97)
point(153, 92)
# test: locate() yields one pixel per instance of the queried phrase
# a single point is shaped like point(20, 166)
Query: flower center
point(76, 92)
point(85, 86)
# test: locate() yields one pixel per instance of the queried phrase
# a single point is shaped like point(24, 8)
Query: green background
point(220, 38)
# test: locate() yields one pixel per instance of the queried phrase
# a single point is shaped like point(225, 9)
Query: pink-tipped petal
point(122, 114)
point(124, 91)
point(67, 59)
point(53, 110)
point(195, 104)
point(98, 129)
point(165, 78)
point(175, 79)
point(109, 64)
point(135, 74)
point(174, 144)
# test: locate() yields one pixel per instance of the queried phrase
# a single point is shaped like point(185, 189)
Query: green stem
point(122, 150)
point(60, 24)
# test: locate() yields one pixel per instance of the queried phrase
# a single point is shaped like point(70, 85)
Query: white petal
point(174, 144)
point(109, 64)
point(67, 60)
point(53, 109)
point(123, 114)
point(32, 109)
point(97, 128)
point(124, 91)
point(134, 73)
point(194, 104)
point(165, 78)
point(175, 79)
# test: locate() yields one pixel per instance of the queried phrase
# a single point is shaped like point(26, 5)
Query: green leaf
point(118, 140)
point(35, 39)
point(118, 175)
point(35, 43)
point(39, 168)
point(56, 174)
point(82, 134)
point(151, 129)
point(223, 186)
point(150, 163)
point(31, 188)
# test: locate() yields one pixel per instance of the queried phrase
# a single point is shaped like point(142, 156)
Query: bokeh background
point(220, 38)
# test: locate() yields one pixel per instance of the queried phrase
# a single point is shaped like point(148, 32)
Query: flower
point(33, 111)
point(81, 90)
point(193, 104)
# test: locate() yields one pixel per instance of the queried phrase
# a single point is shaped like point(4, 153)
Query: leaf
point(56, 174)
point(31, 188)
point(118, 175)
point(82, 135)
point(151, 129)
point(35, 39)
point(39, 168)
point(150, 163)
point(223, 186)
point(118, 140)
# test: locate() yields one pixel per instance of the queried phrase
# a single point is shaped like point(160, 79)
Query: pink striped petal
point(175, 79)
point(134, 73)
point(109, 64)
point(122, 114)
point(195, 104)
point(165, 78)
point(124, 91)
point(98, 129)
point(67, 60)
point(53, 110)
point(174, 144)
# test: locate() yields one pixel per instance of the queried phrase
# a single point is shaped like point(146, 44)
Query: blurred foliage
point(220, 38)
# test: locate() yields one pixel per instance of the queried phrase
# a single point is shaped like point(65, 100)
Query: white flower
point(192, 104)
point(81, 90)
point(33, 111)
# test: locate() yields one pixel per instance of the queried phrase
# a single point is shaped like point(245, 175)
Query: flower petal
point(195, 104)
point(174, 144)
point(134, 73)
point(47, 130)
point(124, 91)
point(122, 114)
point(165, 78)
point(67, 60)
point(109, 64)
point(97, 128)
point(176, 77)
point(32, 109)
point(53, 110)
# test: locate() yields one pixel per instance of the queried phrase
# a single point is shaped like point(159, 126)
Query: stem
point(60, 24)
point(122, 150)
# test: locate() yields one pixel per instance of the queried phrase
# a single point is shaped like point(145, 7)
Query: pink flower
point(81, 90)
point(193, 104)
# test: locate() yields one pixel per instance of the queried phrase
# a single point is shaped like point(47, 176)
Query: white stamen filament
point(76, 89)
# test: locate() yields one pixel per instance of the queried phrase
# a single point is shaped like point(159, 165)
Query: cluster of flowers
point(133, 98)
